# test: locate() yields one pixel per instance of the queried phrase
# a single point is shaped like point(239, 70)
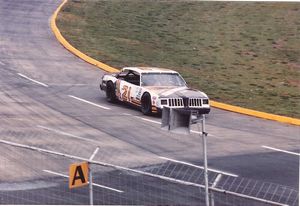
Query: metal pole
point(204, 134)
point(212, 198)
point(91, 175)
point(91, 185)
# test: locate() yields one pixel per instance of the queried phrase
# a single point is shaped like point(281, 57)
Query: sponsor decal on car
point(139, 94)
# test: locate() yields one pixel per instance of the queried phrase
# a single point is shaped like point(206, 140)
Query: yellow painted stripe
point(255, 113)
point(136, 104)
point(108, 68)
point(72, 49)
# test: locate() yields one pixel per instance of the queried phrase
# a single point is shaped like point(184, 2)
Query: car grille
point(184, 102)
point(195, 102)
point(175, 102)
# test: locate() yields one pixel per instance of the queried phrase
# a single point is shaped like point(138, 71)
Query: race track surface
point(51, 99)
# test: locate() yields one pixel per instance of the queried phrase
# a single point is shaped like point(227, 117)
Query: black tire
point(110, 92)
point(146, 105)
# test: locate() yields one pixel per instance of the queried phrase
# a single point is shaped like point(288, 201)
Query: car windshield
point(162, 79)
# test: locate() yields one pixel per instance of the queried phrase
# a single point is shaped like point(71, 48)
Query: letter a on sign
point(78, 175)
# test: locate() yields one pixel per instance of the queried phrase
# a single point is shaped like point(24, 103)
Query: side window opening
point(133, 78)
point(122, 75)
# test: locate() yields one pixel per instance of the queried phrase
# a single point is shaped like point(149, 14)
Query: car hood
point(173, 92)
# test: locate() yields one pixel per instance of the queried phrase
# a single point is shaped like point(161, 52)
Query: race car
point(152, 89)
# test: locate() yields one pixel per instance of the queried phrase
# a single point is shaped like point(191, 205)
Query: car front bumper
point(195, 111)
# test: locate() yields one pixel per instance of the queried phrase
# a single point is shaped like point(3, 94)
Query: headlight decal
point(205, 101)
point(164, 102)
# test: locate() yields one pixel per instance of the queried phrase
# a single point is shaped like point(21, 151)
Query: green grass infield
point(241, 53)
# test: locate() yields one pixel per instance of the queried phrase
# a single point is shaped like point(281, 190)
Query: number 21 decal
point(126, 93)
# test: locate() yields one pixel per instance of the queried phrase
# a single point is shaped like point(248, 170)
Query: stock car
point(151, 89)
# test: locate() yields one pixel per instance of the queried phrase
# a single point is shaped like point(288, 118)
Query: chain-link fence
point(45, 181)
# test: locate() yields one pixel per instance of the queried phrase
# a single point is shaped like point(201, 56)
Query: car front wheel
point(110, 92)
point(146, 104)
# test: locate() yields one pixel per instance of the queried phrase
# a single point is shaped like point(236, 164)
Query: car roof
point(149, 70)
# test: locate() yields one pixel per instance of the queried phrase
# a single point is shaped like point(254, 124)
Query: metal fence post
point(91, 185)
point(91, 176)
point(204, 134)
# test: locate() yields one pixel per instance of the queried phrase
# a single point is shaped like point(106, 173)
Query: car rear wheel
point(110, 92)
point(146, 104)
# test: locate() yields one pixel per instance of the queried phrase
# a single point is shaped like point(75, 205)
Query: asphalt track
point(50, 99)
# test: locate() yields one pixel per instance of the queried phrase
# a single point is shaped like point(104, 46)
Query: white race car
point(151, 89)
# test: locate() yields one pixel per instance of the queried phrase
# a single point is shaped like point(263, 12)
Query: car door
point(128, 87)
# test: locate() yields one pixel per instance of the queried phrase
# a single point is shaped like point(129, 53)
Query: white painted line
point(88, 102)
point(97, 185)
point(37, 82)
point(196, 132)
point(67, 134)
point(200, 167)
point(280, 150)
point(94, 154)
point(148, 120)
point(68, 84)
point(126, 114)
point(55, 173)
point(2, 63)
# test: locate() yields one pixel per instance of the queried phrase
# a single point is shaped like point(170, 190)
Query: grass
point(242, 53)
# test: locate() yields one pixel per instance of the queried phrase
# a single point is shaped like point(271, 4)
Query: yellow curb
point(215, 104)
point(72, 49)
point(255, 113)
